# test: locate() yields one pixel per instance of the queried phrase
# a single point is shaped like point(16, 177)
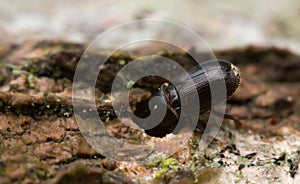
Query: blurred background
point(223, 24)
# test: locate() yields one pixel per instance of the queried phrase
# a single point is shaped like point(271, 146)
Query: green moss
point(122, 62)
point(165, 164)
point(30, 80)
point(156, 161)
point(130, 84)
point(160, 173)
point(169, 164)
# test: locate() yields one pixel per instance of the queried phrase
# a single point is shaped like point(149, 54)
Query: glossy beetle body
point(203, 77)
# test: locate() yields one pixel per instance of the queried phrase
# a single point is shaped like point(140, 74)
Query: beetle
point(203, 77)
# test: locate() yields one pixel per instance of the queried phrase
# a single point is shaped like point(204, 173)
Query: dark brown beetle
point(203, 76)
